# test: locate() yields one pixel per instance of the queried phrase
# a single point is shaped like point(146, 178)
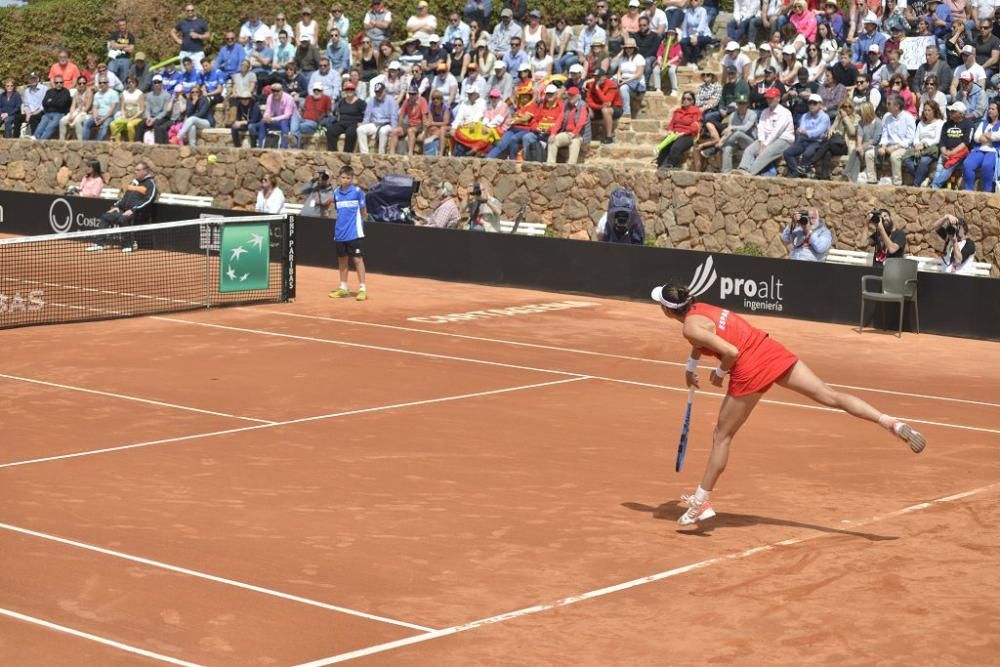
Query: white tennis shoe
point(915, 439)
point(95, 247)
point(697, 511)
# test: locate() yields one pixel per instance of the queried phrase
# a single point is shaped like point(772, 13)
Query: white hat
point(499, 65)
point(733, 46)
point(765, 47)
point(433, 38)
point(395, 65)
point(874, 48)
point(815, 98)
point(968, 48)
point(870, 18)
point(633, 3)
point(788, 49)
point(957, 106)
point(524, 67)
point(576, 67)
point(552, 88)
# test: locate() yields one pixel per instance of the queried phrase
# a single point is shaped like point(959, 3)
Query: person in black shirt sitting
point(347, 115)
point(844, 71)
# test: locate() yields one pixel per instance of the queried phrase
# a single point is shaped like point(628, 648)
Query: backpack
point(622, 201)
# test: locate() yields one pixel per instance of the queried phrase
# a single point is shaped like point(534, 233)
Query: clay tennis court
point(325, 481)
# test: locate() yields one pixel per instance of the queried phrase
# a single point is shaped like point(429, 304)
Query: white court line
point(127, 397)
point(94, 638)
point(592, 353)
point(211, 577)
point(608, 590)
point(434, 355)
point(243, 429)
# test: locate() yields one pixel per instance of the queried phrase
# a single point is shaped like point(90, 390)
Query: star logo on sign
point(257, 241)
point(237, 252)
point(231, 274)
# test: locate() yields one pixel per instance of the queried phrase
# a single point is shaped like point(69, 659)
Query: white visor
point(657, 296)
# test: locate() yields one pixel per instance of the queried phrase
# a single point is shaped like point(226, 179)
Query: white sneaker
point(95, 247)
point(129, 248)
point(906, 433)
point(696, 511)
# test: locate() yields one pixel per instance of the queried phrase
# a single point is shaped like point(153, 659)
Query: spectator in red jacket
point(605, 102)
point(549, 120)
point(314, 109)
point(575, 131)
point(685, 124)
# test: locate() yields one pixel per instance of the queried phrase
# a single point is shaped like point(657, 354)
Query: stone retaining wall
point(681, 209)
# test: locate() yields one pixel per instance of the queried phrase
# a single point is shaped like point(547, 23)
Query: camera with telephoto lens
point(949, 229)
point(803, 218)
point(875, 217)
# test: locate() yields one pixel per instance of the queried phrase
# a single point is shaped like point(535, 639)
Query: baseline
point(608, 590)
point(95, 638)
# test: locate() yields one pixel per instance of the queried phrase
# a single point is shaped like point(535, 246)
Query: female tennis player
point(754, 362)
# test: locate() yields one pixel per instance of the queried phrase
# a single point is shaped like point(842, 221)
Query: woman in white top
point(541, 61)
point(828, 46)
point(270, 198)
point(563, 45)
point(307, 27)
point(789, 71)
point(924, 155)
point(814, 63)
point(631, 77)
point(535, 32)
point(931, 92)
point(764, 60)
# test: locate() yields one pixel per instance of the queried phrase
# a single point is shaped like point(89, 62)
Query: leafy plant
point(750, 249)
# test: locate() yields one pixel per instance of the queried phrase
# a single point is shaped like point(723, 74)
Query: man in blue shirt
point(171, 78)
point(348, 233)
point(230, 56)
point(190, 78)
point(338, 52)
point(810, 139)
point(381, 118)
point(870, 35)
point(212, 81)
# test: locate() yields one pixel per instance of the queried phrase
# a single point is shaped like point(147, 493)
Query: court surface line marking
point(94, 638)
point(211, 577)
point(300, 420)
point(609, 355)
point(127, 397)
point(608, 590)
point(485, 362)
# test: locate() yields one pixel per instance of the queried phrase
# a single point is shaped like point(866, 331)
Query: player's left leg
point(802, 380)
point(359, 266)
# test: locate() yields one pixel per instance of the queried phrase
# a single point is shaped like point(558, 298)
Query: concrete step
point(619, 151)
point(620, 163)
point(639, 138)
point(644, 124)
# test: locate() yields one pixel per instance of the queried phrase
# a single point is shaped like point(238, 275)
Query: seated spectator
point(844, 71)
point(306, 57)
point(811, 139)
point(63, 68)
point(631, 78)
point(541, 61)
point(804, 20)
point(470, 111)
point(868, 135)
point(434, 53)
point(55, 105)
point(605, 102)
point(270, 198)
point(775, 134)
point(337, 21)
point(866, 38)
point(473, 81)
point(247, 114)
point(412, 117)
point(412, 54)
point(31, 103)
point(695, 33)
point(788, 71)
point(925, 151)
point(174, 117)
point(897, 86)
point(956, 143)
point(931, 92)
point(457, 29)
point(898, 130)
point(254, 30)
point(141, 72)
point(669, 54)
point(381, 118)
point(564, 46)
point(757, 99)
point(368, 60)
point(873, 65)
point(190, 77)
point(648, 45)
point(739, 61)
point(103, 111)
point(744, 12)
point(549, 119)
point(977, 74)
point(294, 83)
point(864, 92)
point(327, 78)
point(92, 182)
point(891, 69)
point(421, 25)
point(597, 58)
point(338, 53)
point(83, 97)
point(10, 110)
point(231, 55)
point(797, 97)
point(504, 32)
point(171, 78)
point(682, 130)
point(971, 95)
point(445, 83)
point(436, 125)
point(261, 58)
point(130, 113)
point(446, 214)
point(134, 207)
point(479, 137)
point(959, 250)
point(521, 124)
point(987, 46)
point(834, 19)
point(199, 117)
point(709, 93)
point(933, 66)
point(348, 114)
point(307, 28)
point(377, 22)
point(574, 131)
point(814, 63)
point(739, 132)
point(213, 82)
point(243, 84)
point(832, 93)
point(982, 159)
point(416, 77)
point(284, 53)
point(393, 81)
point(829, 49)
point(807, 237)
point(315, 111)
point(277, 115)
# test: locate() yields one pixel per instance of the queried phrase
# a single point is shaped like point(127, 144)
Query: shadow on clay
point(672, 510)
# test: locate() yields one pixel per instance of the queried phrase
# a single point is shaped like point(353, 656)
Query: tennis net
point(146, 269)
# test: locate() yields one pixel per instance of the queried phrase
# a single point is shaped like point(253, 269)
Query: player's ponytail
point(675, 296)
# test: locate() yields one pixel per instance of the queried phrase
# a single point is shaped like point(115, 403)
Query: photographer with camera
point(959, 250)
point(319, 195)
point(888, 241)
point(807, 237)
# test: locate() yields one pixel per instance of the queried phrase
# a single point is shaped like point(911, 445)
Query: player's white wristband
point(691, 365)
point(719, 373)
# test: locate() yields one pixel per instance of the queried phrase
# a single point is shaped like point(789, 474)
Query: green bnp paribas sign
point(244, 257)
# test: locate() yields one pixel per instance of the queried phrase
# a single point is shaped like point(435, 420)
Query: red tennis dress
point(762, 359)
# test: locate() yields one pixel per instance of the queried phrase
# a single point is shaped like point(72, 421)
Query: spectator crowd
point(901, 90)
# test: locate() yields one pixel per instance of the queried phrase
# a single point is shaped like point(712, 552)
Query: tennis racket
point(683, 443)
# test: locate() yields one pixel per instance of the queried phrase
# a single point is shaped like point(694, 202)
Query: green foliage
point(749, 249)
point(33, 34)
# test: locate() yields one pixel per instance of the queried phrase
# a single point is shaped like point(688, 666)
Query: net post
point(288, 259)
point(208, 265)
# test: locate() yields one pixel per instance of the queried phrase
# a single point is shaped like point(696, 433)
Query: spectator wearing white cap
point(969, 64)
point(501, 80)
point(376, 23)
point(503, 32)
point(873, 65)
point(810, 139)
point(736, 58)
point(744, 12)
point(577, 77)
point(869, 35)
point(315, 111)
point(306, 56)
point(956, 142)
point(898, 130)
point(630, 19)
point(695, 33)
point(971, 94)
point(422, 24)
point(547, 122)
point(631, 77)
